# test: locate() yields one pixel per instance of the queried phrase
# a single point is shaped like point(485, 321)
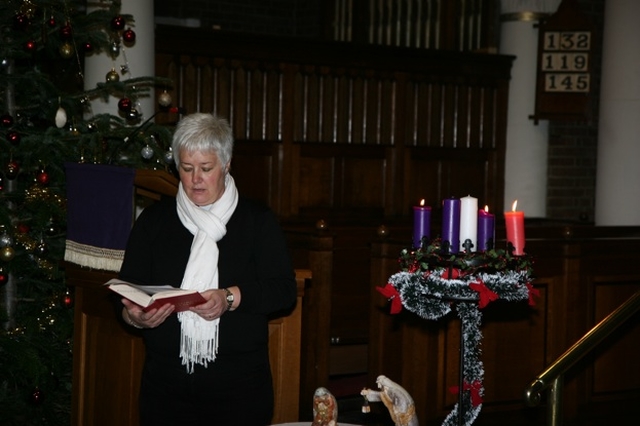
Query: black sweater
point(253, 256)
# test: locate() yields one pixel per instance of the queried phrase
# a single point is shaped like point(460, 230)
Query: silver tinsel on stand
point(429, 286)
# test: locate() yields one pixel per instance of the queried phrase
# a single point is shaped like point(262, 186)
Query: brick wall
point(572, 145)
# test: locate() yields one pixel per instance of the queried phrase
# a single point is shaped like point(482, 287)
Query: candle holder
point(431, 281)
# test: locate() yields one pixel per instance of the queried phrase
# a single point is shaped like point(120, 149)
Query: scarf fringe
point(198, 342)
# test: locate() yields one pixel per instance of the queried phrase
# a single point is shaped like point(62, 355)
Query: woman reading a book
point(209, 364)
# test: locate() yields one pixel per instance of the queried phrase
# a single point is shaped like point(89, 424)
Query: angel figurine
point(325, 408)
point(396, 399)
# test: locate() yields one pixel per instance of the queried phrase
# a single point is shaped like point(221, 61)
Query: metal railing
point(552, 377)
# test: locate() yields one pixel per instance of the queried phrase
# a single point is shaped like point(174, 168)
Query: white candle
point(468, 222)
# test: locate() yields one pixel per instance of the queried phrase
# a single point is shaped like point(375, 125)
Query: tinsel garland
point(430, 283)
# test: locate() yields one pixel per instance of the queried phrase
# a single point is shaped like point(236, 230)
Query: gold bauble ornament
point(7, 253)
point(164, 99)
point(66, 50)
point(112, 76)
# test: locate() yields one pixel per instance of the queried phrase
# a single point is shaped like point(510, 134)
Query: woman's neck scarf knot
point(198, 337)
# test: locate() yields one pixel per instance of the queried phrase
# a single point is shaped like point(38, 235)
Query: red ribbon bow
point(473, 388)
point(451, 273)
point(486, 295)
point(390, 292)
point(532, 292)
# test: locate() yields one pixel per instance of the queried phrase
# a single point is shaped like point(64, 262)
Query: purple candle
point(486, 230)
point(451, 225)
point(421, 223)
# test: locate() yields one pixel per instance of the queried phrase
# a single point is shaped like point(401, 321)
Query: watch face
point(229, 296)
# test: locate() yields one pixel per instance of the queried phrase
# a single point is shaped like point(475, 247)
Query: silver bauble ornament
point(61, 118)
point(6, 240)
point(168, 156)
point(115, 49)
point(133, 114)
point(146, 152)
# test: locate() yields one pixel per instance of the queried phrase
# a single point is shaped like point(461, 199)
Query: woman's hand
point(215, 305)
point(135, 316)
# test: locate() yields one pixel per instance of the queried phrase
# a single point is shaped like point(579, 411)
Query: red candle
point(514, 222)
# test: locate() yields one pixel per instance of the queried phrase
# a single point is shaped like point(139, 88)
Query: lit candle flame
point(513, 207)
point(422, 203)
point(486, 208)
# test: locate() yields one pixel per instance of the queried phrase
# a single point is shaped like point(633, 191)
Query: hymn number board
point(565, 61)
point(564, 82)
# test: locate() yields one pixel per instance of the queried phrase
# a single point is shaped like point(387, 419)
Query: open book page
point(150, 297)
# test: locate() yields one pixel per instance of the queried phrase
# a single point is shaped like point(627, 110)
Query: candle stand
point(431, 281)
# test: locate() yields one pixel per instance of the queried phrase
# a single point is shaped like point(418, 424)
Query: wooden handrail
point(552, 376)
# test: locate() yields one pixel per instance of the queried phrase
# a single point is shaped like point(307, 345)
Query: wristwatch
point(229, 297)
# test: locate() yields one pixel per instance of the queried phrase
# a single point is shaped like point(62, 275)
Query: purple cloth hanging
point(99, 214)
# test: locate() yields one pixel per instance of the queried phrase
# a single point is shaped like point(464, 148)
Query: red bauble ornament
point(23, 228)
point(6, 120)
point(42, 177)
point(3, 278)
point(117, 23)
point(129, 36)
point(13, 137)
point(88, 47)
point(52, 22)
point(66, 32)
point(68, 300)
point(125, 104)
point(30, 46)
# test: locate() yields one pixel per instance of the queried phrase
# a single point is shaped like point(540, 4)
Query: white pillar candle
point(468, 223)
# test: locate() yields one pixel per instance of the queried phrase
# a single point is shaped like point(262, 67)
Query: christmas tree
point(46, 120)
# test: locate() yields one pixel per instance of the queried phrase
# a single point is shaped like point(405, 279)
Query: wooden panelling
point(610, 375)
point(345, 117)
point(263, 160)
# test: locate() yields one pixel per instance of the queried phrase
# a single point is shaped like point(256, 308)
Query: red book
point(150, 297)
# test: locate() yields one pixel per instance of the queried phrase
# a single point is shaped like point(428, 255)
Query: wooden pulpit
point(108, 359)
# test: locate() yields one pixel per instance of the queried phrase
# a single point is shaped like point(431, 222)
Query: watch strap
point(229, 297)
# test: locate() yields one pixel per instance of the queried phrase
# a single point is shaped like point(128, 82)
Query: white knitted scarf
point(198, 337)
